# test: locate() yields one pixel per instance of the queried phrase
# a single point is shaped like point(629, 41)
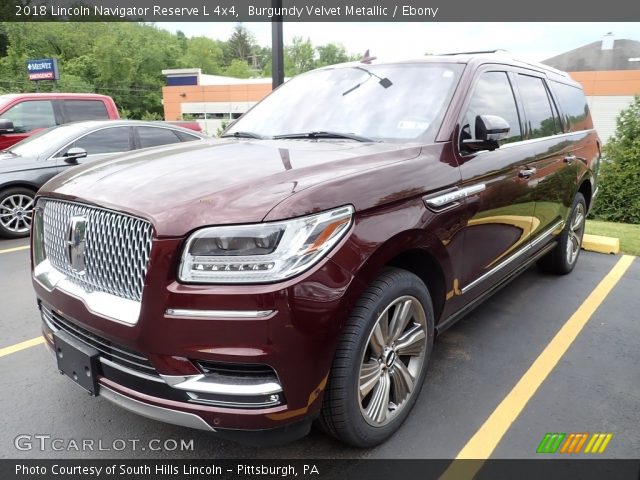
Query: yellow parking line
point(486, 439)
point(20, 346)
point(15, 249)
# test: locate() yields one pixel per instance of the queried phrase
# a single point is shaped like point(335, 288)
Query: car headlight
point(264, 252)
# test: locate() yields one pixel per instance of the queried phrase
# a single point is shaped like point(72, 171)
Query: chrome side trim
point(518, 254)
point(130, 371)
point(180, 312)
point(154, 412)
point(217, 384)
point(454, 196)
point(119, 309)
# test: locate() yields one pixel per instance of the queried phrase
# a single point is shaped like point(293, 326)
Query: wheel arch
point(19, 184)
point(586, 189)
point(415, 251)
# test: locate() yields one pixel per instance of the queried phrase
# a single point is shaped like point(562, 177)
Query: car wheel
point(16, 211)
point(381, 360)
point(562, 259)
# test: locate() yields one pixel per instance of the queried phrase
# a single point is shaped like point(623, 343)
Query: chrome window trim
point(518, 254)
point(191, 313)
point(154, 412)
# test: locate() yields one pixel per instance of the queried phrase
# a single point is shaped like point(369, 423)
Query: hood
point(10, 162)
point(186, 186)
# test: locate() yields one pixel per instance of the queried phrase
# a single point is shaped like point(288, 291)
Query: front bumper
point(277, 361)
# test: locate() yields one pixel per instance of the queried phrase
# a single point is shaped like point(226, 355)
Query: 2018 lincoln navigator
point(299, 268)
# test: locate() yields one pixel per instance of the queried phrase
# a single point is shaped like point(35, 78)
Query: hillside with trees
point(125, 60)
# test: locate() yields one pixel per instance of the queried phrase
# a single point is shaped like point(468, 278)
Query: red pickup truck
point(25, 113)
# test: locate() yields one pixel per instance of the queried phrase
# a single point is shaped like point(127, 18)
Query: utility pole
point(277, 49)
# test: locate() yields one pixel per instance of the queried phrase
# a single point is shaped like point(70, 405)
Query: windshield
point(45, 140)
point(401, 103)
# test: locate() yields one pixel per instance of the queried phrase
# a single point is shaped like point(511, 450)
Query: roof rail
point(474, 53)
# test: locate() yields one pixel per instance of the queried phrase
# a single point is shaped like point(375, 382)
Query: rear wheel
point(16, 211)
point(380, 362)
point(562, 259)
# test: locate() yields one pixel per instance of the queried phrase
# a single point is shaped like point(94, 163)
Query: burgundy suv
point(299, 268)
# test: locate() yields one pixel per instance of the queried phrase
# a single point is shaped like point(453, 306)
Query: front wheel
point(16, 211)
point(381, 360)
point(562, 259)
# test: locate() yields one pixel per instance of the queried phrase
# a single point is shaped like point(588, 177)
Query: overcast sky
point(528, 41)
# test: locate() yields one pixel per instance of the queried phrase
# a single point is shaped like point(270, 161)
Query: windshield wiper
point(325, 134)
point(244, 135)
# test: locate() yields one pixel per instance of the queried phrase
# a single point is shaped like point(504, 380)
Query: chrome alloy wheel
point(392, 360)
point(575, 232)
point(16, 212)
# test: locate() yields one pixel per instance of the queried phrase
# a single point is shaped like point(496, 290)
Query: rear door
point(554, 166)
point(147, 136)
point(78, 110)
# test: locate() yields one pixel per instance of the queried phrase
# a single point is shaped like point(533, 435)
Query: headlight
point(264, 252)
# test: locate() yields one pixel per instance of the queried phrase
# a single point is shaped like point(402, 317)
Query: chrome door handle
point(569, 159)
point(527, 172)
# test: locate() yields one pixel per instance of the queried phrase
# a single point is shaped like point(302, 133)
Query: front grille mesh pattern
point(117, 248)
point(116, 353)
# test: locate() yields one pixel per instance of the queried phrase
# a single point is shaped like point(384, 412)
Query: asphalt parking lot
point(481, 395)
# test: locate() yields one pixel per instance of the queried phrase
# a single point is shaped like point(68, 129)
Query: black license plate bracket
point(78, 361)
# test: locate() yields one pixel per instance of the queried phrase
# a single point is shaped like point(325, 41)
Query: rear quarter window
point(574, 107)
point(80, 110)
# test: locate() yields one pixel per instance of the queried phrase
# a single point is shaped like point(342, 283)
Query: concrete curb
point(600, 244)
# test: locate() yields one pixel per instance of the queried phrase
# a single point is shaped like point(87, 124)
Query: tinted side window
point(574, 106)
point(27, 116)
point(492, 96)
point(79, 110)
point(540, 120)
point(153, 137)
point(107, 140)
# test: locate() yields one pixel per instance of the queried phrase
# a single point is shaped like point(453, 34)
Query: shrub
point(619, 176)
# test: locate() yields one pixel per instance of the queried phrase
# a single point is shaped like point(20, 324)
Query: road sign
point(43, 69)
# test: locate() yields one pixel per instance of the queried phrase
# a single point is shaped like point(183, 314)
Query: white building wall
point(605, 110)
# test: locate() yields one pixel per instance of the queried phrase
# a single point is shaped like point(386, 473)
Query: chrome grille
point(118, 354)
point(117, 248)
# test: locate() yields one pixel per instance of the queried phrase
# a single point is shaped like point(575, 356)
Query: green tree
point(238, 69)
point(299, 57)
point(619, 176)
point(332, 53)
point(204, 53)
point(241, 44)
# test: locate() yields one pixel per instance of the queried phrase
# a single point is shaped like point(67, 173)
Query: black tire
point(560, 260)
point(15, 221)
point(344, 414)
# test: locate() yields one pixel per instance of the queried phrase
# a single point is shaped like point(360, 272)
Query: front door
point(500, 203)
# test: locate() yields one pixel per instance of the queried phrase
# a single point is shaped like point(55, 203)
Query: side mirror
point(73, 154)
point(490, 129)
point(6, 126)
